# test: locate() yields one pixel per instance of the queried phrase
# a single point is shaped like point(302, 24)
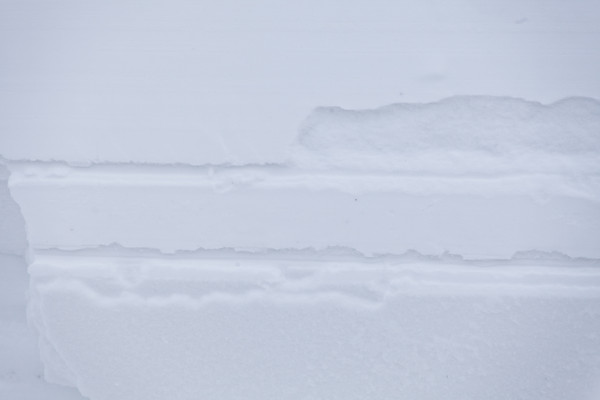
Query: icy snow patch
point(467, 134)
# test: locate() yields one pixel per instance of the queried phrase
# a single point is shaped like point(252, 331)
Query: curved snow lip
point(455, 135)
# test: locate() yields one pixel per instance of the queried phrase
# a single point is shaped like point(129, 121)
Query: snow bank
point(457, 135)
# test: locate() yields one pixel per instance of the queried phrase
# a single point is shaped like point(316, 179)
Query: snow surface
point(333, 275)
point(480, 177)
point(21, 370)
point(227, 325)
point(261, 208)
point(12, 228)
point(379, 261)
point(189, 82)
point(458, 135)
point(412, 244)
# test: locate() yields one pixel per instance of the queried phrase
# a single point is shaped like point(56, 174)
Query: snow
point(378, 261)
point(315, 325)
point(350, 271)
point(458, 135)
point(21, 370)
point(481, 177)
point(261, 208)
point(187, 82)
point(299, 200)
point(12, 228)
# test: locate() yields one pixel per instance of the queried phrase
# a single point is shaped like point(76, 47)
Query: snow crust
point(458, 135)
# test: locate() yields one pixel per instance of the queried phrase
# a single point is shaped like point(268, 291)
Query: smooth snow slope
point(197, 83)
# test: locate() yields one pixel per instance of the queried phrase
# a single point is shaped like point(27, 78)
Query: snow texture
point(12, 225)
point(189, 82)
point(459, 135)
point(179, 248)
point(366, 266)
point(21, 370)
point(482, 177)
point(263, 209)
point(220, 326)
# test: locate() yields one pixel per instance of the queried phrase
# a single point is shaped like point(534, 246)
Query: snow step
point(258, 208)
point(226, 326)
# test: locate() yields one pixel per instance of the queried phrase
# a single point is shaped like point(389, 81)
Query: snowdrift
point(446, 250)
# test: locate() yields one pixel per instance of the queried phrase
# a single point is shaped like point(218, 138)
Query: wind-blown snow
point(474, 135)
